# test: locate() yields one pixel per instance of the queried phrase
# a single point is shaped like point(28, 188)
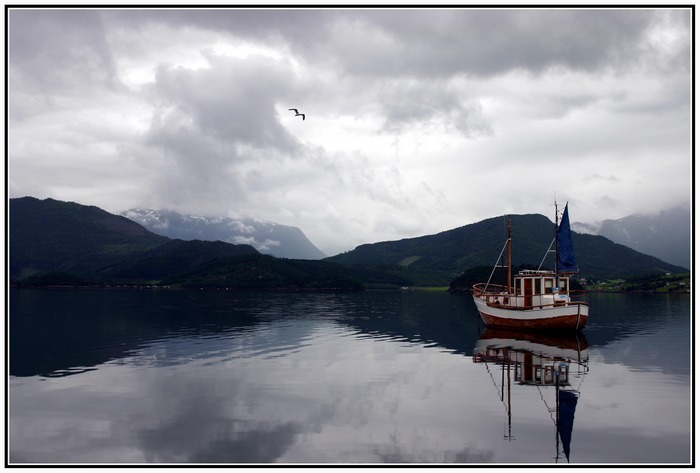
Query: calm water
point(377, 377)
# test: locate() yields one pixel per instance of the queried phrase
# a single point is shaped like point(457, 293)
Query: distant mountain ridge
point(268, 238)
point(479, 244)
point(55, 243)
point(65, 243)
point(51, 235)
point(85, 241)
point(666, 235)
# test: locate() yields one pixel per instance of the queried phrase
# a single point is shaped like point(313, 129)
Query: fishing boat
point(536, 299)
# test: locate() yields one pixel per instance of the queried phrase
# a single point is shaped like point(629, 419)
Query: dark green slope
point(258, 271)
point(463, 247)
point(51, 235)
point(479, 244)
point(601, 258)
point(87, 244)
point(174, 257)
point(68, 244)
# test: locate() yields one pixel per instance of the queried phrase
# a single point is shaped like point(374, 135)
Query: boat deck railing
point(485, 288)
point(497, 294)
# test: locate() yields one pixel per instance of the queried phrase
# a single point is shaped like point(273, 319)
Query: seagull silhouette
point(297, 114)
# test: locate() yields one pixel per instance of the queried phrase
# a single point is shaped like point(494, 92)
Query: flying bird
point(297, 114)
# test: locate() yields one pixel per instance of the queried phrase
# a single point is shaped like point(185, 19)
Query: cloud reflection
point(190, 439)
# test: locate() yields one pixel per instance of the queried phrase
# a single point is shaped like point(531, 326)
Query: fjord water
point(149, 376)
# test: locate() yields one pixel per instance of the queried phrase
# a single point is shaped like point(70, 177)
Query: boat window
point(564, 284)
point(538, 286)
point(548, 285)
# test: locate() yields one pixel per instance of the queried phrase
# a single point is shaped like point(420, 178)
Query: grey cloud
point(559, 105)
point(607, 202)
point(409, 104)
point(434, 43)
point(672, 97)
point(193, 169)
point(210, 121)
point(53, 50)
point(305, 26)
point(429, 42)
point(597, 177)
point(481, 42)
point(232, 100)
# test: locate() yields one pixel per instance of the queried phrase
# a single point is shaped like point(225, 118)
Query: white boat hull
point(569, 316)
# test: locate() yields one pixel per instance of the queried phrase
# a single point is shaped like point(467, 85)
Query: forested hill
point(65, 243)
point(51, 234)
point(87, 242)
point(55, 243)
point(479, 244)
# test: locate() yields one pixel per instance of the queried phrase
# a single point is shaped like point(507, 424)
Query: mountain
point(88, 243)
point(479, 244)
point(68, 244)
point(666, 235)
point(65, 243)
point(51, 235)
point(267, 237)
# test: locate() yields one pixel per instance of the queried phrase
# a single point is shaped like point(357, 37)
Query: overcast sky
point(417, 120)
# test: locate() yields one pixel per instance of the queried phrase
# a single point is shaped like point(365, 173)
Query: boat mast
point(556, 244)
point(509, 253)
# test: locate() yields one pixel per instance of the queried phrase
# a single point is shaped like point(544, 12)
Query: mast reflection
point(550, 361)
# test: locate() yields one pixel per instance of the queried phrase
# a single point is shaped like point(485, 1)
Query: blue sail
point(566, 260)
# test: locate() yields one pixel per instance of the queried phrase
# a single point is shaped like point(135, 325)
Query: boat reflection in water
point(550, 362)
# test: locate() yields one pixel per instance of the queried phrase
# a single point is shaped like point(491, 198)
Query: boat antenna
point(510, 243)
point(556, 242)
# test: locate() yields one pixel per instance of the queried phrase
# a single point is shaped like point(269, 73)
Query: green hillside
point(54, 243)
point(51, 235)
point(64, 243)
point(257, 271)
point(174, 257)
point(479, 244)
